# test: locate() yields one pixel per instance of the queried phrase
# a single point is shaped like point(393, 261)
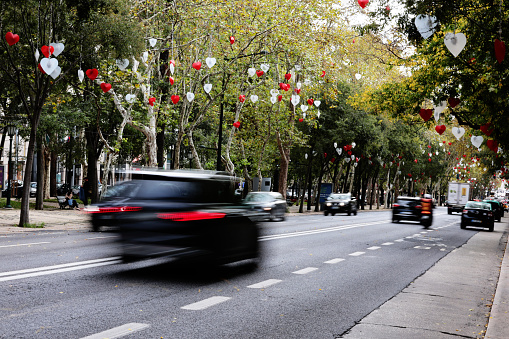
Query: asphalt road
point(319, 276)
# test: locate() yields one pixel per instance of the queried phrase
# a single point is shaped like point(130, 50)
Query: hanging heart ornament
point(207, 88)
point(254, 98)
point(11, 38)
point(56, 72)
point(273, 99)
point(210, 62)
point(265, 67)
point(251, 71)
point(190, 96)
point(440, 129)
point(458, 132)
point(274, 92)
point(440, 107)
point(81, 75)
point(499, 50)
point(295, 100)
point(425, 24)
point(152, 42)
point(303, 108)
point(455, 42)
point(91, 73)
point(122, 63)
point(49, 65)
point(130, 98)
point(477, 140)
point(57, 48)
point(317, 103)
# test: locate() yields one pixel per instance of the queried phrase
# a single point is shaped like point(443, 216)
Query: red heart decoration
point(492, 145)
point(349, 152)
point(487, 129)
point(440, 129)
point(175, 99)
point(172, 62)
point(415, 161)
point(323, 74)
point(279, 98)
point(236, 124)
point(286, 87)
point(259, 73)
point(197, 65)
point(47, 50)
point(310, 101)
point(92, 73)
point(242, 98)
point(453, 102)
point(410, 175)
point(297, 91)
point(105, 87)
point(281, 86)
point(499, 50)
point(363, 3)
point(151, 101)
point(449, 153)
point(40, 68)
point(288, 76)
point(301, 120)
point(172, 81)
point(429, 159)
point(450, 143)
point(232, 40)
point(425, 114)
point(12, 39)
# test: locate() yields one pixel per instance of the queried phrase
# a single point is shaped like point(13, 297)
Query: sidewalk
point(464, 295)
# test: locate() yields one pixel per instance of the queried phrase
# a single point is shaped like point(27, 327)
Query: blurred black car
point(268, 205)
point(479, 214)
point(181, 214)
point(340, 203)
point(407, 208)
point(497, 208)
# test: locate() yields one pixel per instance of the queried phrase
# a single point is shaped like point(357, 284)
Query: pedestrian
point(70, 201)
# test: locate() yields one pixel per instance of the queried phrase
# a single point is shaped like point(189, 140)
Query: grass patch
point(41, 225)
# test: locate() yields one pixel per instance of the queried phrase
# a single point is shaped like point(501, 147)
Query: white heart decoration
point(299, 85)
point(210, 62)
point(358, 76)
point(144, 56)
point(298, 68)
point(455, 42)
point(190, 96)
point(440, 107)
point(81, 75)
point(273, 99)
point(130, 98)
point(274, 92)
point(477, 140)
point(295, 99)
point(352, 157)
point(307, 82)
point(318, 114)
point(251, 71)
point(425, 24)
point(436, 115)
point(135, 65)
point(304, 108)
point(335, 145)
point(207, 88)
point(317, 103)
point(354, 164)
point(37, 55)
point(347, 160)
point(306, 155)
point(122, 64)
point(49, 65)
point(152, 42)
point(458, 132)
point(58, 48)
point(254, 98)
point(56, 72)
point(265, 67)
point(339, 150)
point(172, 69)
point(303, 115)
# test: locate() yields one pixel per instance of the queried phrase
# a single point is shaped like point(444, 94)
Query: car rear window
point(407, 202)
point(479, 205)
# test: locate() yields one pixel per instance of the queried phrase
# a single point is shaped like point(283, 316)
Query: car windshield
point(343, 196)
point(257, 197)
point(478, 205)
point(34, 185)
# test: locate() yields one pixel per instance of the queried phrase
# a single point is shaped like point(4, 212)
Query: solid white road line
point(265, 283)
point(30, 244)
point(305, 270)
point(334, 261)
point(373, 248)
point(356, 254)
point(45, 270)
point(119, 331)
point(206, 303)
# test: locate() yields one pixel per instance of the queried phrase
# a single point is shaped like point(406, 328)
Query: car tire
point(355, 212)
point(325, 213)
point(349, 212)
point(491, 228)
point(463, 226)
point(449, 211)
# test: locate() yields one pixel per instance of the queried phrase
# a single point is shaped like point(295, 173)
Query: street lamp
point(11, 131)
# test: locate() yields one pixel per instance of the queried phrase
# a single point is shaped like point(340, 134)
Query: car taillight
point(395, 205)
point(465, 211)
point(96, 209)
point(490, 214)
point(418, 206)
point(190, 216)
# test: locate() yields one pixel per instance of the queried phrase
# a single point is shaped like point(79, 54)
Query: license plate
point(477, 221)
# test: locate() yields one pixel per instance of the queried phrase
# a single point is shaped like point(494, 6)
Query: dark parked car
point(340, 203)
point(413, 209)
point(478, 214)
point(497, 208)
point(181, 214)
point(269, 205)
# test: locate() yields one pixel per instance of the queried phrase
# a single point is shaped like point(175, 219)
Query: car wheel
point(355, 212)
point(449, 211)
point(492, 227)
point(463, 226)
point(282, 218)
point(349, 212)
point(325, 213)
point(333, 214)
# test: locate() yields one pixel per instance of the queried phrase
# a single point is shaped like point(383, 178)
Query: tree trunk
point(24, 213)
point(40, 175)
point(319, 187)
point(53, 175)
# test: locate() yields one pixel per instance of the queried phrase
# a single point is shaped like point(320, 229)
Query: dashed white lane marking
point(356, 254)
point(334, 261)
point(373, 248)
point(305, 270)
point(30, 244)
point(422, 247)
point(206, 303)
point(388, 243)
point(119, 331)
point(424, 232)
point(45, 270)
point(399, 240)
point(265, 283)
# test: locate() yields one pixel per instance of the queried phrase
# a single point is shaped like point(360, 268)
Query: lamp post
point(11, 130)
